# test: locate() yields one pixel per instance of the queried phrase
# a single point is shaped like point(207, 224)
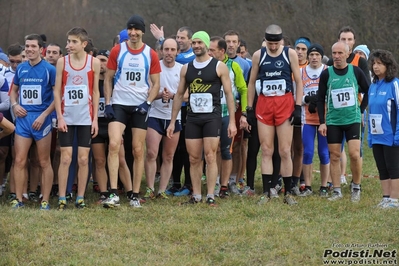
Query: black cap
point(315, 47)
point(136, 22)
point(103, 52)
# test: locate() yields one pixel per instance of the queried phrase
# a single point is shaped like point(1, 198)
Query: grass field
point(237, 232)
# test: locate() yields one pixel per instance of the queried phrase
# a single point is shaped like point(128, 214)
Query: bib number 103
point(133, 76)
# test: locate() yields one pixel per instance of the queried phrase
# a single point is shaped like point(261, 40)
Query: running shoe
point(112, 201)
point(44, 205)
point(295, 191)
point(248, 191)
point(382, 202)
point(80, 204)
point(343, 180)
point(190, 201)
point(241, 185)
point(157, 177)
point(101, 199)
point(391, 205)
point(233, 189)
point(62, 204)
point(15, 204)
point(211, 202)
point(355, 195)
point(149, 194)
point(33, 197)
point(184, 191)
point(323, 193)
point(306, 192)
point(289, 199)
point(273, 193)
point(54, 191)
point(69, 197)
point(135, 202)
point(162, 195)
point(335, 196)
point(171, 191)
point(263, 199)
point(224, 192)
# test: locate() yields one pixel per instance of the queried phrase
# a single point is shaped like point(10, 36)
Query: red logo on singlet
point(77, 80)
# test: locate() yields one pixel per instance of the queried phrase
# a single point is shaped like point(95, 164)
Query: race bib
point(312, 91)
point(101, 107)
point(131, 76)
point(342, 98)
point(76, 95)
point(274, 87)
point(31, 95)
point(375, 124)
point(201, 102)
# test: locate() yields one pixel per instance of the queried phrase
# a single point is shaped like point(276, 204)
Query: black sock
point(323, 188)
point(267, 181)
point(287, 184)
point(114, 191)
point(308, 187)
point(135, 195)
point(295, 181)
point(129, 194)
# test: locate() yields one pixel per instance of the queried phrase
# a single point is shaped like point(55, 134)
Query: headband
point(273, 37)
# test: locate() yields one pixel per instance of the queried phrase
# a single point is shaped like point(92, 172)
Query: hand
point(243, 123)
point(170, 130)
point(312, 107)
point(309, 99)
point(231, 130)
point(109, 112)
point(251, 118)
point(38, 123)
point(62, 127)
point(323, 130)
point(167, 95)
point(19, 111)
point(296, 116)
point(143, 108)
point(156, 32)
point(94, 128)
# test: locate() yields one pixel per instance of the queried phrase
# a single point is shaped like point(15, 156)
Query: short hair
point(115, 40)
point(243, 43)
point(57, 45)
point(220, 41)
point(90, 47)
point(188, 30)
point(346, 29)
point(170, 38)
point(14, 49)
point(273, 29)
point(35, 37)
point(231, 33)
point(81, 33)
point(387, 58)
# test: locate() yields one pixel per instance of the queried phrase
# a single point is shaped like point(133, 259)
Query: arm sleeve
point(321, 95)
point(364, 67)
point(364, 85)
point(395, 88)
point(241, 85)
point(4, 101)
point(155, 65)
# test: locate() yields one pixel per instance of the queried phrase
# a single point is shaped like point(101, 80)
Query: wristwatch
point(244, 114)
point(148, 102)
point(249, 108)
point(161, 39)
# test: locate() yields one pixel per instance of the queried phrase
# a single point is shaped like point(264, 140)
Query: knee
point(20, 162)
point(194, 160)
point(168, 157)
point(65, 159)
point(151, 154)
point(324, 157)
point(100, 162)
point(210, 157)
point(335, 157)
point(83, 160)
point(114, 146)
point(285, 153)
point(226, 154)
point(267, 151)
point(138, 151)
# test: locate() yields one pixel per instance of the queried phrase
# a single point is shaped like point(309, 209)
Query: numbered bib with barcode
point(201, 102)
point(101, 107)
point(342, 98)
point(375, 124)
point(274, 87)
point(76, 95)
point(31, 95)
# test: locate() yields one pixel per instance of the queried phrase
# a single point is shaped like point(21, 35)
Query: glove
point(312, 107)
point(251, 118)
point(296, 116)
point(309, 99)
point(109, 112)
point(143, 108)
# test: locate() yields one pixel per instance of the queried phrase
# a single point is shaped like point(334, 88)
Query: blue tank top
point(275, 73)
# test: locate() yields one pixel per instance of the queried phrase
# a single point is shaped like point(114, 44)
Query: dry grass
point(237, 232)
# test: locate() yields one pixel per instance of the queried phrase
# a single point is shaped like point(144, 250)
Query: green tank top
point(343, 107)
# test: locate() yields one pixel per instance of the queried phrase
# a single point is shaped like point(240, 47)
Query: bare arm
point(297, 76)
point(153, 92)
point(96, 90)
point(7, 127)
point(252, 78)
point(223, 73)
